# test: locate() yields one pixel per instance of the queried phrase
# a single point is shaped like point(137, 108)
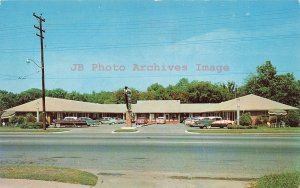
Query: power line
point(200, 74)
point(165, 43)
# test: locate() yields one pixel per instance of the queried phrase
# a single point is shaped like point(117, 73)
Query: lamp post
point(43, 89)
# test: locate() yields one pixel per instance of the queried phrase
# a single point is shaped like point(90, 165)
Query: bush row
point(242, 127)
point(31, 125)
point(27, 122)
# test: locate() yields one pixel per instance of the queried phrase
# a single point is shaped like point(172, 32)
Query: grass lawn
point(258, 130)
point(65, 175)
point(283, 180)
point(17, 129)
point(125, 130)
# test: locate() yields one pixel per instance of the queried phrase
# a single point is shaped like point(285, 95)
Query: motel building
point(173, 111)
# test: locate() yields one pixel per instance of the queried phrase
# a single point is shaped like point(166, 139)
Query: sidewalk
point(126, 182)
point(17, 183)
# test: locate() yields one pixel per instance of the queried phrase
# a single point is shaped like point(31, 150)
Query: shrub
point(293, 118)
point(245, 119)
point(261, 120)
point(284, 180)
point(21, 120)
point(13, 120)
point(32, 125)
point(30, 118)
point(241, 127)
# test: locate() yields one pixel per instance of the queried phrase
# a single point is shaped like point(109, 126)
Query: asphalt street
point(155, 149)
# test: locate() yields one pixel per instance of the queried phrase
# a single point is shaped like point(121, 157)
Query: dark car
point(70, 122)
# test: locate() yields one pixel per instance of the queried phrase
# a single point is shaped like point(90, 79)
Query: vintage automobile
point(89, 121)
point(70, 122)
point(160, 120)
point(205, 122)
point(188, 121)
point(120, 121)
point(141, 121)
point(222, 123)
point(192, 122)
point(108, 120)
point(212, 121)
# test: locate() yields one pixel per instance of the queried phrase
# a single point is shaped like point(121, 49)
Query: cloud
point(299, 1)
point(248, 13)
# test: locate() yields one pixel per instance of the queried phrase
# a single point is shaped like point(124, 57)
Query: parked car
point(120, 121)
point(108, 120)
point(70, 122)
point(202, 122)
point(222, 123)
point(161, 120)
point(192, 121)
point(141, 121)
point(188, 121)
point(89, 121)
point(212, 121)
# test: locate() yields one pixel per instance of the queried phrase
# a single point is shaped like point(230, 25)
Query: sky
point(104, 45)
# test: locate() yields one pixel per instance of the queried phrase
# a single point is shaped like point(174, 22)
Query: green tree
point(119, 98)
point(29, 95)
point(266, 83)
point(57, 93)
point(74, 95)
point(158, 91)
point(293, 118)
point(206, 92)
point(7, 100)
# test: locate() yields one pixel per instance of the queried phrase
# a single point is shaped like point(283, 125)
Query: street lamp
point(43, 89)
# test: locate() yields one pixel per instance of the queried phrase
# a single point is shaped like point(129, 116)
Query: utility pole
point(40, 28)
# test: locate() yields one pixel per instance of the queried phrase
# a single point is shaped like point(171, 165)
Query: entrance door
point(167, 116)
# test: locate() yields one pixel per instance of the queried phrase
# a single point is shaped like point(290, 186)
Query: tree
point(57, 93)
point(266, 83)
point(206, 92)
point(231, 89)
point(293, 117)
point(158, 91)
point(7, 100)
point(118, 96)
point(29, 95)
point(74, 95)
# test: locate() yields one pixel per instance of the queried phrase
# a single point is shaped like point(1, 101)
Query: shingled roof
point(247, 103)
point(252, 103)
point(64, 105)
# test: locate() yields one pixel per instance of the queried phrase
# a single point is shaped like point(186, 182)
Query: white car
point(161, 120)
point(222, 123)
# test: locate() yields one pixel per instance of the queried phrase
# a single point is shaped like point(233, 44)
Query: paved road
point(155, 149)
point(165, 150)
